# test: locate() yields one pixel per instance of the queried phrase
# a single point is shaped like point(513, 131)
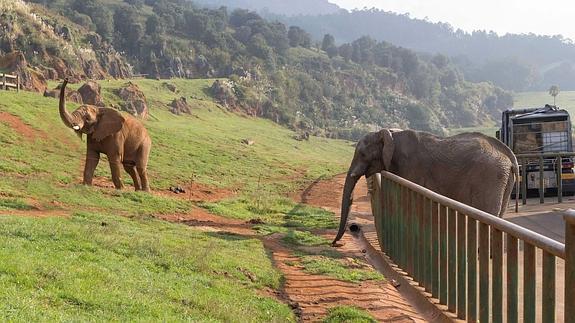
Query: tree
point(298, 37)
point(554, 92)
point(328, 45)
point(328, 41)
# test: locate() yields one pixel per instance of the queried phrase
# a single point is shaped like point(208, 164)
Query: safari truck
point(536, 132)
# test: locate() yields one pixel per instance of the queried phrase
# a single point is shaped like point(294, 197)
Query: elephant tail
point(513, 179)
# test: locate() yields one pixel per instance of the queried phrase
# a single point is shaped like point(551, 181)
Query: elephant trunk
point(64, 114)
point(346, 201)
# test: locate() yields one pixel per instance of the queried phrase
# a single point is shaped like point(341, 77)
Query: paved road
point(546, 219)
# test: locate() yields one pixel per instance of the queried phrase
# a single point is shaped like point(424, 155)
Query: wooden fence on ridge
point(8, 81)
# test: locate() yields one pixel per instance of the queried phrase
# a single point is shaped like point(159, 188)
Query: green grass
point(345, 269)
point(565, 100)
point(101, 267)
point(274, 210)
point(304, 238)
point(348, 314)
point(111, 260)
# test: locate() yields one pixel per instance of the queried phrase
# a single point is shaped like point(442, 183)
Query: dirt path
point(311, 296)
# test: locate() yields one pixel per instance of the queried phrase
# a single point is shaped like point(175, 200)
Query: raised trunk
point(64, 114)
point(346, 201)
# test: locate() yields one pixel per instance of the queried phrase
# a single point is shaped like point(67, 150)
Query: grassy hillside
point(76, 252)
point(565, 100)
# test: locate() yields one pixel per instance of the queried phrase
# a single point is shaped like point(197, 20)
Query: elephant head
point(373, 154)
point(89, 119)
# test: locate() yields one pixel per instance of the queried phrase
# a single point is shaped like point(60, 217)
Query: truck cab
point(538, 131)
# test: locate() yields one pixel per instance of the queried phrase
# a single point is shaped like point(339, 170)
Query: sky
point(550, 17)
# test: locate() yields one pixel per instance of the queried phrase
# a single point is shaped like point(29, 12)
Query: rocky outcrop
point(30, 79)
point(71, 95)
point(91, 94)
point(224, 93)
point(135, 101)
point(179, 106)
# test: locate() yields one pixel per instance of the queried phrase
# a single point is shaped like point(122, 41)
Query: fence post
point(4, 81)
point(569, 266)
point(17, 83)
point(559, 168)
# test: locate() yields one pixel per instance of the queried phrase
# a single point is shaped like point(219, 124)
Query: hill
point(273, 72)
point(82, 253)
point(289, 8)
point(513, 61)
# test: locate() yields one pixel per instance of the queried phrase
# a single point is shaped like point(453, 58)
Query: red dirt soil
point(311, 296)
point(20, 127)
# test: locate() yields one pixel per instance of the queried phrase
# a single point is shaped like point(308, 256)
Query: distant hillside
point(289, 8)
point(515, 62)
point(268, 70)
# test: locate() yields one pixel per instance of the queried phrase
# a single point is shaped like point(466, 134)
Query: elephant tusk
point(76, 128)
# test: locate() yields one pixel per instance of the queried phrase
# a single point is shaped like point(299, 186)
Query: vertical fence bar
point(442, 254)
point(461, 267)
point(419, 238)
point(409, 237)
point(512, 279)
point(497, 274)
point(483, 272)
point(414, 236)
point(384, 192)
point(548, 296)
point(427, 244)
point(389, 227)
point(569, 266)
point(452, 261)
point(435, 249)
point(400, 228)
point(529, 283)
point(396, 214)
point(559, 167)
point(472, 270)
point(17, 83)
point(403, 232)
point(524, 181)
point(4, 86)
point(541, 190)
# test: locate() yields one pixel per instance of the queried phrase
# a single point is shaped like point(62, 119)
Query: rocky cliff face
point(41, 47)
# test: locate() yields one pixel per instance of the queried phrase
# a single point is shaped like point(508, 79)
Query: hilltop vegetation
point(273, 72)
point(516, 62)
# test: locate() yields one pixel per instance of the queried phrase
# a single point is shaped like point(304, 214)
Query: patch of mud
point(20, 127)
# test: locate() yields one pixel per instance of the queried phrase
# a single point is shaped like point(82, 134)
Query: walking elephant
point(471, 168)
point(121, 137)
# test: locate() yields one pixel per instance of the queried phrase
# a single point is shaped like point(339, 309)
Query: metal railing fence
point(457, 254)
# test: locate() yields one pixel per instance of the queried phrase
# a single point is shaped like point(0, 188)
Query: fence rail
point(457, 252)
point(9, 81)
point(540, 159)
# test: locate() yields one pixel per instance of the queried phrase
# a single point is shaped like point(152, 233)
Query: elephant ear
point(388, 148)
point(110, 121)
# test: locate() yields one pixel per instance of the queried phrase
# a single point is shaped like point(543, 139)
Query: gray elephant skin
point(471, 168)
point(121, 137)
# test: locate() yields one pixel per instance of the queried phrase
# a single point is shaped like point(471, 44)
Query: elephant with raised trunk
point(121, 137)
point(471, 168)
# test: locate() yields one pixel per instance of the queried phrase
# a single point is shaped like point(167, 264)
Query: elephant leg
point(142, 166)
point(92, 159)
point(130, 168)
point(115, 168)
